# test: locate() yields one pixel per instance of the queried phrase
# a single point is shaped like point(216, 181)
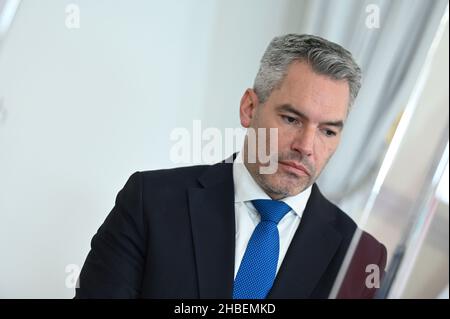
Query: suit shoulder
point(344, 222)
point(340, 219)
point(174, 177)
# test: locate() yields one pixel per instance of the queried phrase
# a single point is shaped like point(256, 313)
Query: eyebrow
point(289, 108)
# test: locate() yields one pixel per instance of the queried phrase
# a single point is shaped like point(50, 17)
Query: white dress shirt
point(247, 217)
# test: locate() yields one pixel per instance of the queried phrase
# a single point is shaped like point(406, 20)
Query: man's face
point(309, 111)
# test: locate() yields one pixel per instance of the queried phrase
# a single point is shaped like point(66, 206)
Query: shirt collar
point(246, 188)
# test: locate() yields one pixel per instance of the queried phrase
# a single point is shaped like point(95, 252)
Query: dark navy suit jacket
point(171, 234)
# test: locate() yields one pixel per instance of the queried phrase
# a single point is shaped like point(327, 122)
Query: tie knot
point(271, 210)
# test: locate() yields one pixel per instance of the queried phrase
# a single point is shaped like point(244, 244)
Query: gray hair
point(325, 57)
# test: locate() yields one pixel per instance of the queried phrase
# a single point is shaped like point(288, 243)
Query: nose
point(304, 141)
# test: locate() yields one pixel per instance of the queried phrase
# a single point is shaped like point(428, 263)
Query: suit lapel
point(213, 228)
point(310, 252)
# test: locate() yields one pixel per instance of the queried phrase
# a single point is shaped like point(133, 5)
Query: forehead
point(316, 95)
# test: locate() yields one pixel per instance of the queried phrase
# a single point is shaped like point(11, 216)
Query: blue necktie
point(258, 267)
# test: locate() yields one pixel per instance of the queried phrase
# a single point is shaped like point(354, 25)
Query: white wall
point(87, 107)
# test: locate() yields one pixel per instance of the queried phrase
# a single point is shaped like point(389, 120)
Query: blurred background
point(91, 90)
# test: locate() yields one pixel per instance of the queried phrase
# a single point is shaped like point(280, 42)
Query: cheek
point(323, 153)
point(286, 138)
point(285, 135)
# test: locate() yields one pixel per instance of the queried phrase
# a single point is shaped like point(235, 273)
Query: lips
point(296, 166)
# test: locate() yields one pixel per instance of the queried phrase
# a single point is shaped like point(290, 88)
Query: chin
point(286, 189)
point(297, 189)
point(294, 184)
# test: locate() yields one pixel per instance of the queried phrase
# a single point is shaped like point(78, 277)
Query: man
point(230, 230)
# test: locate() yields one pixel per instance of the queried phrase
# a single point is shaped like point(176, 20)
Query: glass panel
point(404, 206)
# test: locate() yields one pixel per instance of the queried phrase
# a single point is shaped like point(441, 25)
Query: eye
point(329, 133)
point(289, 119)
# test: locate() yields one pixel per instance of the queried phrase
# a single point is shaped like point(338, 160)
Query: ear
point(249, 102)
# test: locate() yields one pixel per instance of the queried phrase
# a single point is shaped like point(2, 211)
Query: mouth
point(295, 167)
